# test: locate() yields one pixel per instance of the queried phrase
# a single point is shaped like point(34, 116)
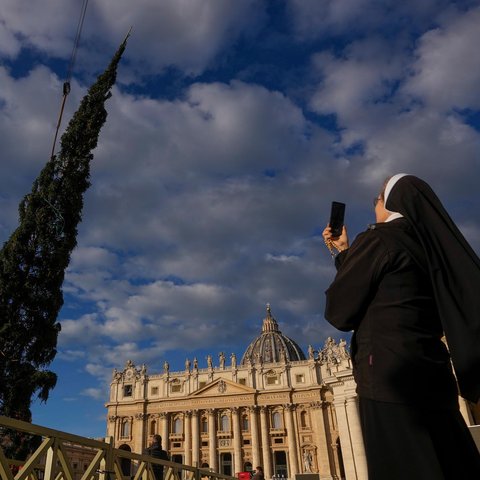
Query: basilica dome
point(272, 345)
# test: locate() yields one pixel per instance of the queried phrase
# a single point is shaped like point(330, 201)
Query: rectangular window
point(127, 390)
point(201, 384)
point(176, 388)
point(278, 440)
point(154, 391)
point(177, 444)
point(246, 442)
point(204, 444)
point(242, 381)
point(273, 380)
point(300, 378)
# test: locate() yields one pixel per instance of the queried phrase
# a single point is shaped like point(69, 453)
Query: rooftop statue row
point(331, 354)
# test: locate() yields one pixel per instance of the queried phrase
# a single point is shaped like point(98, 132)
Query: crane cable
point(66, 84)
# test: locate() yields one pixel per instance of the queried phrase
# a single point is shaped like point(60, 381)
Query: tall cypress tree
point(34, 259)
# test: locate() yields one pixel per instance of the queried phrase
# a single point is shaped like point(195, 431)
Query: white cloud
point(186, 33)
point(392, 132)
point(362, 76)
point(33, 24)
point(71, 355)
point(28, 113)
point(207, 199)
point(281, 258)
point(81, 331)
point(446, 73)
point(313, 19)
point(95, 393)
point(9, 44)
point(93, 257)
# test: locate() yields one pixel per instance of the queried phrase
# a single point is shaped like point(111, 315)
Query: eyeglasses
point(376, 200)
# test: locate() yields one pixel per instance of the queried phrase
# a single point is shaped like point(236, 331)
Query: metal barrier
point(51, 460)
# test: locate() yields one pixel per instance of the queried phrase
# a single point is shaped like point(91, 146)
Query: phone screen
point(337, 215)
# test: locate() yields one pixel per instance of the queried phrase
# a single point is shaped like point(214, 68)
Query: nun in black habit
point(402, 285)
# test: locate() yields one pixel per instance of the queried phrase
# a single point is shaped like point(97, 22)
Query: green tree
point(34, 259)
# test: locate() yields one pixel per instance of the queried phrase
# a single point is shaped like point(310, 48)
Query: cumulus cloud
point(208, 202)
point(71, 355)
point(361, 77)
point(96, 393)
point(80, 331)
point(388, 120)
point(187, 34)
point(28, 113)
point(446, 72)
point(25, 23)
point(9, 44)
point(313, 19)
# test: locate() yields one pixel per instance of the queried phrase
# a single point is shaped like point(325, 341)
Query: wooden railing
point(51, 460)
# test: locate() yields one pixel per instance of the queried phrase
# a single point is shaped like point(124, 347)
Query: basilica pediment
point(222, 387)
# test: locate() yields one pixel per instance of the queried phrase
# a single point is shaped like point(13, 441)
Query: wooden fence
point(51, 460)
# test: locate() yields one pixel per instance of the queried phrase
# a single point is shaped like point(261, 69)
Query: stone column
point(345, 441)
point(267, 459)
point(342, 383)
point(355, 428)
point(237, 443)
point(112, 427)
point(164, 429)
point(138, 430)
point(320, 438)
point(195, 440)
point(292, 440)
point(255, 439)
point(212, 440)
point(188, 438)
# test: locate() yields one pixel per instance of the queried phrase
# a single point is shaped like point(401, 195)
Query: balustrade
point(51, 460)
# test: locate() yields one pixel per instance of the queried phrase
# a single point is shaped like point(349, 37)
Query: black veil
point(454, 270)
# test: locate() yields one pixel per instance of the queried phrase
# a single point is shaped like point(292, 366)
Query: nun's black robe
point(408, 396)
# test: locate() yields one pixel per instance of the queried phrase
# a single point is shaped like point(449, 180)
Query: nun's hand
point(340, 243)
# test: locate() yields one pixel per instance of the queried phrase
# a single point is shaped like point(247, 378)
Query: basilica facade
point(276, 407)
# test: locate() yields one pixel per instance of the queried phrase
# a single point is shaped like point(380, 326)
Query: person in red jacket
point(401, 285)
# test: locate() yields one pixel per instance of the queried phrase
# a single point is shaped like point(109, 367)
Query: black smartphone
point(337, 216)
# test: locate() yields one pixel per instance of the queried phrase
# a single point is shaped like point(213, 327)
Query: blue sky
point(232, 127)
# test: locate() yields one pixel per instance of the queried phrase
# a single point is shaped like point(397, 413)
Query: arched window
point(224, 423)
point(125, 429)
point(153, 427)
point(277, 420)
point(178, 426)
point(245, 425)
point(204, 428)
point(304, 419)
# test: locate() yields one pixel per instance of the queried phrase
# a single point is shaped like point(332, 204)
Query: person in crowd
point(404, 286)
point(155, 450)
point(258, 474)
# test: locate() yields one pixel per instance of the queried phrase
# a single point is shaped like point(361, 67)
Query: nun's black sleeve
point(359, 270)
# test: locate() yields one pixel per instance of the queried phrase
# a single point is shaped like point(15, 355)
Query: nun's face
point(381, 213)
